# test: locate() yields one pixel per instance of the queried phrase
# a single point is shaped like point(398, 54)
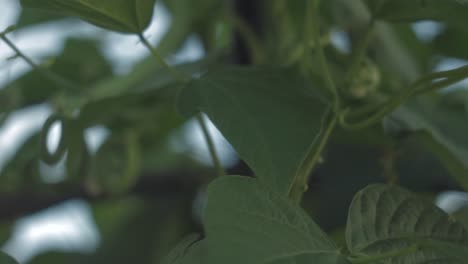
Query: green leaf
point(447, 126)
point(452, 11)
point(126, 16)
point(307, 258)
point(269, 115)
point(390, 224)
point(5, 259)
point(247, 223)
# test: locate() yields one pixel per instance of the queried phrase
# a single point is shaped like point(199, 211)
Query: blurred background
point(127, 213)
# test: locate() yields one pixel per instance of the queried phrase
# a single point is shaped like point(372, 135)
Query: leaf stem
point(182, 78)
point(299, 186)
point(313, 17)
point(210, 144)
point(423, 85)
point(44, 71)
point(179, 76)
point(313, 157)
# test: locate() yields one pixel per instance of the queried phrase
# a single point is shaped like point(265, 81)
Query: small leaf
point(5, 259)
point(126, 16)
point(452, 11)
point(246, 223)
point(269, 115)
point(393, 225)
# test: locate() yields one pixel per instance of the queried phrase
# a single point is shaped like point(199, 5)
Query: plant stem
point(210, 144)
point(300, 184)
point(313, 17)
point(179, 76)
point(45, 72)
point(183, 79)
point(417, 87)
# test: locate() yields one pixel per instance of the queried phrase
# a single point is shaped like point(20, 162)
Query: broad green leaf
point(247, 223)
point(307, 258)
point(447, 126)
point(126, 16)
point(452, 11)
point(5, 259)
point(391, 224)
point(269, 115)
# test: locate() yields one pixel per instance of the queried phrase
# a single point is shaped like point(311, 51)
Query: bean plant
point(283, 92)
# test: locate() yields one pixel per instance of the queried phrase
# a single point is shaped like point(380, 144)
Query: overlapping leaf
point(127, 16)
point(247, 223)
point(269, 115)
point(447, 126)
point(390, 224)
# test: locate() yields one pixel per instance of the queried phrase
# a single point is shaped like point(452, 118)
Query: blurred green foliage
point(142, 190)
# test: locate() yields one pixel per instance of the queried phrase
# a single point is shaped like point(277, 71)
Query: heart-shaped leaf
point(247, 223)
point(126, 16)
point(269, 115)
point(389, 224)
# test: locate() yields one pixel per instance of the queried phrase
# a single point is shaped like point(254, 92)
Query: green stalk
point(184, 79)
point(423, 85)
point(179, 76)
point(210, 144)
point(313, 17)
point(44, 71)
point(312, 159)
point(299, 185)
